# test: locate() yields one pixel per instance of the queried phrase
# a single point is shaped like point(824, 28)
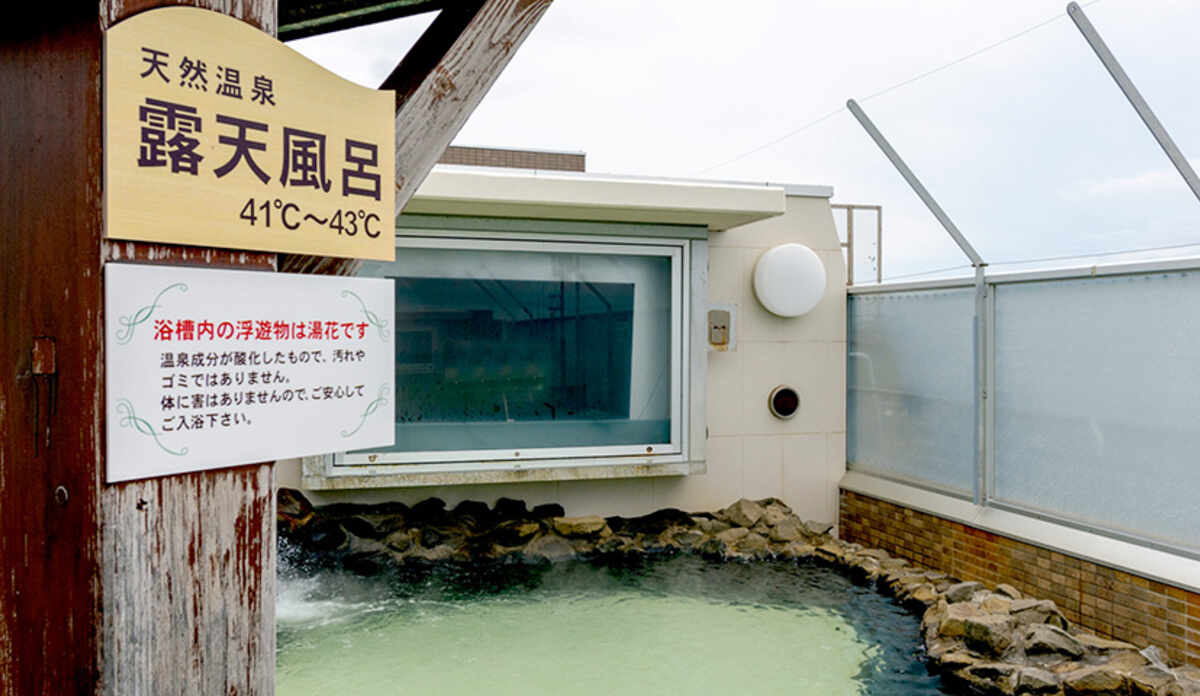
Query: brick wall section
point(1104, 600)
point(519, 159)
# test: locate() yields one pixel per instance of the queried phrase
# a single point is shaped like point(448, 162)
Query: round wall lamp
point(789, 280)
point(783, 402)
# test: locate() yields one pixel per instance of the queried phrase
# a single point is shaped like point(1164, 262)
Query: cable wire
point(892, 88)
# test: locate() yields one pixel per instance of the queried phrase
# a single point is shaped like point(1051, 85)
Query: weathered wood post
point(163, 585)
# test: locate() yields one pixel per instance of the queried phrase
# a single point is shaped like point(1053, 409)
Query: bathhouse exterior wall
point(746, 452)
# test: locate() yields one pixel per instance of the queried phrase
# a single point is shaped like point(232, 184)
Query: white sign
point(213, 368)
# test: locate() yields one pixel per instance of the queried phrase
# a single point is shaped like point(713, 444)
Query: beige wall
point(750, 453)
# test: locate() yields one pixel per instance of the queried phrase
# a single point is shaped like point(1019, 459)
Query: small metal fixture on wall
point(784, 402)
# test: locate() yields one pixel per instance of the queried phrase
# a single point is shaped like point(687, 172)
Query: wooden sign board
point(212, 368)
point(216, 134)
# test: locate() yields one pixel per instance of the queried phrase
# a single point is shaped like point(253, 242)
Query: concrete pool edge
point(995, 642)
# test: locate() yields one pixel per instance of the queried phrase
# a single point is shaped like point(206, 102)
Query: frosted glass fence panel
point(910, 379)
point(1098, 402)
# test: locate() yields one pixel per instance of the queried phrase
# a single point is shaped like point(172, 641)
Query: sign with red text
point(214, 368)
point(216, 134)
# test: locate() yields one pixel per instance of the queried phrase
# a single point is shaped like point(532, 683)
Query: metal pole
point(879, 244)
point(980, 494)
point(915, 183)
point(1135, 97)
point(850, 245)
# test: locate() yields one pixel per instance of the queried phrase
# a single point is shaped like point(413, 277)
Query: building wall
point(1104, 600)
point(749, 452)
point(520, 159)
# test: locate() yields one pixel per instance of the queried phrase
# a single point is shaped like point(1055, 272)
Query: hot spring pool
point(680, 625)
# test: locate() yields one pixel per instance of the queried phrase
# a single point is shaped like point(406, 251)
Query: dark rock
point(508, 509)
point(547, 510)
point(962, 592)
point(549, 547)
point(293, 510)
point(322, 535)
point(360, 527)
point(514, 532)
point(658, 521)
point(427, 511)
point(477, 512)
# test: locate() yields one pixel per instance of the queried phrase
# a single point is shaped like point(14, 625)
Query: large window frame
point(677, 456)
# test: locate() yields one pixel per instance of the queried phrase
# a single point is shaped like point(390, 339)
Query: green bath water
point(676, 626)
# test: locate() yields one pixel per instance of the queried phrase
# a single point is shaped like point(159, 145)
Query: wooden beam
point(438, 85)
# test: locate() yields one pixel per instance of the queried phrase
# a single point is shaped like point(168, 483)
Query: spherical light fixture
point(789, 280)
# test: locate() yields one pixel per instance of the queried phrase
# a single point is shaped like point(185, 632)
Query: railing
point(1090, 395)
point(848, 245)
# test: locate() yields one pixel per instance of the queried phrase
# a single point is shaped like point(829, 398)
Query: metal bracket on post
point(981, 314)
point(1134, 96)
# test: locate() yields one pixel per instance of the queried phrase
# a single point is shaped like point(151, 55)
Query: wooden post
point(163, 586)
point(149, 587)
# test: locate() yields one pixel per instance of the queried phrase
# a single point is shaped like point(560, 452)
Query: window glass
point(509, 350)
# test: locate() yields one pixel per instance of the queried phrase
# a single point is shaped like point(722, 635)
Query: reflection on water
point(680, 625)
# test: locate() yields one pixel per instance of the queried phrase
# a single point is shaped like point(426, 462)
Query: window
point(516, 353)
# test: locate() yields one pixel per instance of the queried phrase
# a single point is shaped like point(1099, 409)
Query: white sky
point(1030, 147)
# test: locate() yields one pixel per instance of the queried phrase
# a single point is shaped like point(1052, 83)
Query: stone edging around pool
point(983, 641)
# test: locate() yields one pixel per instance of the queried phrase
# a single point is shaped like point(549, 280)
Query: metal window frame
point(679, 251)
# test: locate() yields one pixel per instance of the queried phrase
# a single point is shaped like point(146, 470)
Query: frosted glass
point(1098, 401)
point(910, 380)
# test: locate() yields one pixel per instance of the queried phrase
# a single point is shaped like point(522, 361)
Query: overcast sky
point(1029, 146)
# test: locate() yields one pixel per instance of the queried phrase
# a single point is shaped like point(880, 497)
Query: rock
point(743, 513)
point(957, 659)
point(731, 536)
point(1008, 591)
point(830, 551)
point(1044, 639)
point(893, 563)
point(1037, 611)
point(547, 510)
point(476, 510)
point(658, 522)
point(428, 510)
point(1149, 680)
point(962, 592)
point(925, 594)
point(761, 527)
point(996, 604)
point(687, 538)
point(589, 526)
point(399, 540)
point(817, 528)
point(1125, 661)
point(442, 552)
point(711, 526)
point(1094, 681)
point(796, 550)
point(787, 529)
point(954, 624)
point(751, 543)
point(1031, 680)
point(549, 547)
point(877, 554)
point(774, 514)
point(509, 509)
point(989, 634)
point(1185, 685)
point(990, 677)
point(1097, 643)
point(514, 532)
point(293, 510)
point(774, 503)
point(322, 535)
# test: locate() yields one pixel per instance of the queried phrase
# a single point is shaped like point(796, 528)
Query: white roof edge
point(503, 192)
